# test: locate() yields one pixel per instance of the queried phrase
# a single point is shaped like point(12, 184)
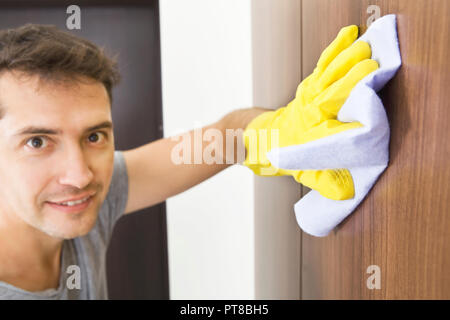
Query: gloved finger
point(332, 98)
point(338, 68)
point(308, 89)
point(336, 184)
point(317, 215)
point(336, 144)
point(327, 104)
point(343, 40)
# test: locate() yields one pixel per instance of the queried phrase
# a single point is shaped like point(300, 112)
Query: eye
point(37, 142)
point(96, 136)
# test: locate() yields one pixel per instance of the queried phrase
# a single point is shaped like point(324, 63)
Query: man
point(63, 186)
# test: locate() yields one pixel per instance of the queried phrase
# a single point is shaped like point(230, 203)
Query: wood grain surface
point(403, 224)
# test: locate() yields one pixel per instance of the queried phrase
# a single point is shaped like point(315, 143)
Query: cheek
point(34, 178)
point(26, 177)
point(22, 185)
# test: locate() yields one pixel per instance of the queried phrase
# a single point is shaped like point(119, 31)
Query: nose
point(76, 171)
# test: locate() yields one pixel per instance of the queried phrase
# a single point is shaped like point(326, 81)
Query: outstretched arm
point(154, 171)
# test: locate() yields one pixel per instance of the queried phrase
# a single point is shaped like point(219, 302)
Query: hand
point(312, 115)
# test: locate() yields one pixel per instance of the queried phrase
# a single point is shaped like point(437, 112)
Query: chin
point(72, 228)
point(70, 232)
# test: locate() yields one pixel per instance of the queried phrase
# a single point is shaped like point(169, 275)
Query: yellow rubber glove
point(312, 115)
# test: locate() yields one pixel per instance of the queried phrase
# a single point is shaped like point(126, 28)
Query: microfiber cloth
point(363, 151)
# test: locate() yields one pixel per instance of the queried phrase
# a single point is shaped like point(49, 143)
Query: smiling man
point(63, 185)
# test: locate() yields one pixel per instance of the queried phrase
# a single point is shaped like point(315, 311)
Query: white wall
point(233, 236)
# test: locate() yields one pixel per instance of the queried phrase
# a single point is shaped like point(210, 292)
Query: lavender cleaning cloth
point(363, 151)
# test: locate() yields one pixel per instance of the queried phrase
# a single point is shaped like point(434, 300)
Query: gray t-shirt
point(87, 253)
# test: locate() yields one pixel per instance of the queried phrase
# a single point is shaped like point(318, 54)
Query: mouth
point(72, 206)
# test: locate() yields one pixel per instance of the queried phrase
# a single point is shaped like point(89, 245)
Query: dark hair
point(56, 56)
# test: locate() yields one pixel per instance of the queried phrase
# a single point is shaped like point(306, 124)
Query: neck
point(29, 258)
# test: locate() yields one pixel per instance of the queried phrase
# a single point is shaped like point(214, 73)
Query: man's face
point(40, 168)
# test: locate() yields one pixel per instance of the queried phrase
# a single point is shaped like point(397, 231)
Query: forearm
point(240, 118)
point(212, 149)
point(172, 165)
point(217, 144)
point(236, 122)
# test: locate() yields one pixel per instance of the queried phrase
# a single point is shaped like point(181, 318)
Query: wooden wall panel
point(403, 225)
point(321, 21)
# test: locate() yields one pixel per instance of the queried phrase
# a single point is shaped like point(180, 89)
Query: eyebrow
point(42, 130)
